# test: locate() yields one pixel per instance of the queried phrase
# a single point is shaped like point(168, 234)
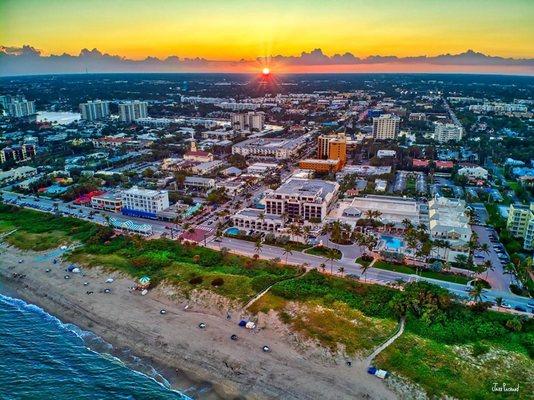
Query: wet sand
point(204, 360)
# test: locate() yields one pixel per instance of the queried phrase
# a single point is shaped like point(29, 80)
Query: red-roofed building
point(444, 164)
point(86, 198)
point(417, 163)
point(198, 156)
point(195, 236)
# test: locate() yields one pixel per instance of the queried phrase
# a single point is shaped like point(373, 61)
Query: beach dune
point(175, 344)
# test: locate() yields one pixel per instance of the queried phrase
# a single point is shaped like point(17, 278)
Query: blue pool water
point(192, 209)
point(392, 243)
point(232, 231)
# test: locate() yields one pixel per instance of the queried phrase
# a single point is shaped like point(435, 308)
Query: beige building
point(386, 127)
point(308, 199)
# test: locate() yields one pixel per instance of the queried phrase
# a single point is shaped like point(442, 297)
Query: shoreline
point(173, 344)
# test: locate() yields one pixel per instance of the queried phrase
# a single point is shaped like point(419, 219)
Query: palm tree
point(257, 247)
point(218, 236)
point(476, 291)
point(499, 301)
point(323, 267)
point(488, 267)
point(461, 259)
point(331, 256)
point(341, 270)
point(288, 249)
point(364, 267)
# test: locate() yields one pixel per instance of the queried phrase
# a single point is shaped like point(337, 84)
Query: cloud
point(470, 57)
point(27, 60)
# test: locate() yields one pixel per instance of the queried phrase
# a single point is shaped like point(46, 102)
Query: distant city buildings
point(133, 110)
point(17, 174)
point(447, 132)
point(94, 110)
point(386, 127)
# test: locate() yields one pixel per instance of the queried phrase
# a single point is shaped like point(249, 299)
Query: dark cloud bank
point(27, 60)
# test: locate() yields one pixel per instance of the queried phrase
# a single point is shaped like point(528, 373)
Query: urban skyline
point(237, 36)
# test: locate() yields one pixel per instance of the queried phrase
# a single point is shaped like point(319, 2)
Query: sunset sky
point(232, 29)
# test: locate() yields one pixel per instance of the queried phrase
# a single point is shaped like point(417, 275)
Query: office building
point(94, 110)
point(321, 166)
point(386, 127)
point(144, 203)
point(108, 201)
point(307, 199)
point(447, 132)
point(133, 110)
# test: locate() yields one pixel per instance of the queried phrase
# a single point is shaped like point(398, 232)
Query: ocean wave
point(93, 341)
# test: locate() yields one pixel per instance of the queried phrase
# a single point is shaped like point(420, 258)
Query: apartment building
point(21, 108)
point(144, 203)
point(520, 223)
point(94, 110)
point(386, 127)
point(447, 132)
point(133, 110)
point(17, 153)
point(307, 199)
point(252, 121)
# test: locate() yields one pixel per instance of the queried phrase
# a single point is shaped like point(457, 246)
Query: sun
point(265, 71)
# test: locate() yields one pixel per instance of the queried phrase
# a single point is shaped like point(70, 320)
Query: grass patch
point(342, 326)
point(189, 267)
point(268, 302)
point(406, 269)
point(322, 251)
point(37, 241)
point(363, 261)
point(463, 372)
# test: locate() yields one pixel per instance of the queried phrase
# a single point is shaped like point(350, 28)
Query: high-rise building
point(133, 110)
point(447, 132)
point(256, 121)
point(94, 110)
point(21, 108)
point(253, 121)
point(386, 127)
point(7, 99)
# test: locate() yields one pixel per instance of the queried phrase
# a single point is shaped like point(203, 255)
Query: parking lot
point(497, 277)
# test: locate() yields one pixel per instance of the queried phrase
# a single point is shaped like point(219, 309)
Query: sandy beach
point(219, 368)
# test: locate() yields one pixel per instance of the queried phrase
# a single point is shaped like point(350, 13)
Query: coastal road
point(351, 268)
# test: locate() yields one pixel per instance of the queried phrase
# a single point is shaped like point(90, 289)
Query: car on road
point(519, 308)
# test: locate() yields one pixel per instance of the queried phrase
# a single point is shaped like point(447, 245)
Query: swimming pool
point(392, 243)
point(232, 231)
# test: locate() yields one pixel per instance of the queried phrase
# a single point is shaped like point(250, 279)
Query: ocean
point(43, 358)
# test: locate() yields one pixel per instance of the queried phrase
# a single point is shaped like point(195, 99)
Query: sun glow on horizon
point(265, 71)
